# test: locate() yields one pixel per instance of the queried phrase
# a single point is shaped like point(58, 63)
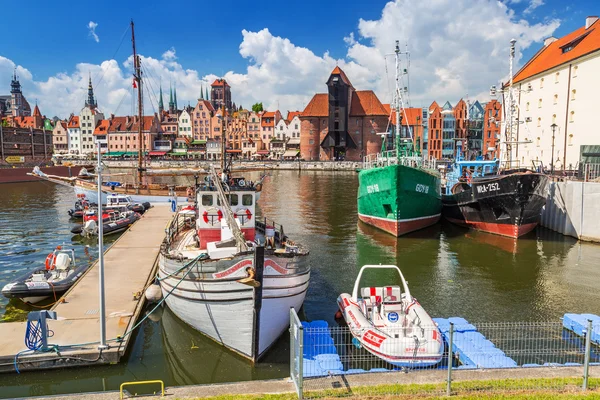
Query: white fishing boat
point(228, 274)
point(391, 324)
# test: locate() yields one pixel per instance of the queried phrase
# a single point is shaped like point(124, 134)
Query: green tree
point(257, 107)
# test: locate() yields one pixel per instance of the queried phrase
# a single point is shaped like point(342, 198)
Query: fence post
point(301, 362)
point(588, 350)
point(450, 340)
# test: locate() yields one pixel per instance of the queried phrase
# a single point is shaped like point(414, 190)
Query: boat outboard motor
point(90, 228)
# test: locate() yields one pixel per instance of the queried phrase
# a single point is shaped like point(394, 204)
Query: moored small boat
point(58, 274)
point(391, 324)
point(113, 222)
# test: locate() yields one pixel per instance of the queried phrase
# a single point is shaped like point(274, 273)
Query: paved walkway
point(129, 265)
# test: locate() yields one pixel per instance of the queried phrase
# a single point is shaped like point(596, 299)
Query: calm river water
point(452, 271)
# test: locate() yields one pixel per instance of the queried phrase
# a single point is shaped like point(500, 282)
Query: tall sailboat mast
point(138, 80)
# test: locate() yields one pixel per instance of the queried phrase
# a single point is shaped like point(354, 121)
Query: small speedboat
point(114, 202)
point(53, 280)
point(116, 222)
point(391, 324)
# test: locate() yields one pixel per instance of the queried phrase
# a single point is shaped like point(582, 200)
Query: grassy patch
point(505, 389)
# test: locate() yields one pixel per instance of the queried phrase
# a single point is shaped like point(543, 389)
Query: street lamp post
point(553, 126)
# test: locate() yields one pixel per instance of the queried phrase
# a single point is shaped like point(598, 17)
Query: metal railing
point(334, 361)
point(589, 172)
point(389, 157)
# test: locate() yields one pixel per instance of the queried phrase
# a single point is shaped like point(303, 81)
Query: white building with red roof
point(559, 93)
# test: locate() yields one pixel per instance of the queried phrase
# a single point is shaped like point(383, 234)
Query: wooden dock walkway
point(129, 265)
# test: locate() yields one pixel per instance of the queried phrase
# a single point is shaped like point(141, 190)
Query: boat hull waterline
point(507, 205)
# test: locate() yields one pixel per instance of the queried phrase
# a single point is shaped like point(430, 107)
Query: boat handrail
point(387, 158)
point(365, 267)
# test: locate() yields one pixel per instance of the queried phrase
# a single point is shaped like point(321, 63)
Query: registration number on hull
point(488, 187)
point(373, 188)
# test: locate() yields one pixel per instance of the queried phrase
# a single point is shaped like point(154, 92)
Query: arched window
point(539, 121)
point(573, 92)
point(572, 116)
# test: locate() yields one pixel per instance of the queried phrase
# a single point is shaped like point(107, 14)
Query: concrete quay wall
point(573, 209)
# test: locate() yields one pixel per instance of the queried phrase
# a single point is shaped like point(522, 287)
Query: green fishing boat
point(399, 190)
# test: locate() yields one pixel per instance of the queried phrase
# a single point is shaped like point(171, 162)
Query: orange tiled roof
point(220, 82)
point(409, 115)
point(63, 124)
point(102, 127)
point(36, 111)
point(365, 102)
point(587, 41)
point(270, 115)
point(338, 71)
point(292, 114)
point(73, 122)
point(318, 106)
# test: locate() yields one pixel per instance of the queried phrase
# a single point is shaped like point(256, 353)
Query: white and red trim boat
point(391, 324)
point(213, 274)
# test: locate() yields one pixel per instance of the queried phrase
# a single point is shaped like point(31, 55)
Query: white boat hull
point(223, 309)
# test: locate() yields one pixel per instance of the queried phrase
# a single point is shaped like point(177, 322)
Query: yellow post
point(162, 386)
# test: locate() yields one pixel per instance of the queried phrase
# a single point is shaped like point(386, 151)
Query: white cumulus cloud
point(92, 27)
point(457, 48)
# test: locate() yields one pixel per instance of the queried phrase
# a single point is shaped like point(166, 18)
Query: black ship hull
point(508, 205)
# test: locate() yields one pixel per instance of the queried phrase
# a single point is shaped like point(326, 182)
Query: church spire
point(207, 98)
point(171, 104)
point(161, 106)
point(201, 92)
point(175, 96)
point(91, 102)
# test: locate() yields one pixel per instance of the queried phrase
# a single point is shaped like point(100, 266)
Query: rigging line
point(151, 92)
point(102, 72)
point(121, 102)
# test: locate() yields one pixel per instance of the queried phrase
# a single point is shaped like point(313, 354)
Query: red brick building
point(343, 123)
point(435, 131)
point(460, 115)
point(491, 128)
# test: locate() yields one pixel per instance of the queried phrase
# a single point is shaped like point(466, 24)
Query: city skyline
point(453, 54)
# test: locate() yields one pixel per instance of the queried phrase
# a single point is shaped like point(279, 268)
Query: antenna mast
point(509, 134)
point(397, 105)
point(138, 81)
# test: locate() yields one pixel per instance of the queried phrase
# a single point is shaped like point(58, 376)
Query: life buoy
point(241, 183)
point(205, 216)
point(50, 261)
point(243, 210)
point(220, 215)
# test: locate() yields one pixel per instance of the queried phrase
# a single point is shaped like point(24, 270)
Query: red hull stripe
point(509, 230)
point(399, 228)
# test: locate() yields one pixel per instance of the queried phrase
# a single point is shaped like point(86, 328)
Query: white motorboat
point(391, 324)
point(213, 274)
point(59, 273)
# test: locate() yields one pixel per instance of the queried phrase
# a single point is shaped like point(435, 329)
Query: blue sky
point(53, 38)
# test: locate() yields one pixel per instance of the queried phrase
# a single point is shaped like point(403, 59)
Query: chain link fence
point(453, 356)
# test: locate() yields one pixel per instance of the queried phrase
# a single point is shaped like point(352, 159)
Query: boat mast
point(138, 80)
point(397, 105)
